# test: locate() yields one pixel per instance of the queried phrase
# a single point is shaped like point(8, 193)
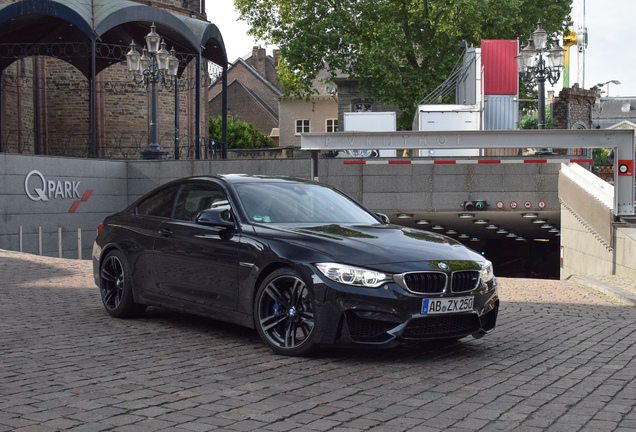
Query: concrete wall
point(106, 180)
point(115, 184)
point(625, 250)
point(584, 251)
point(442, 188)
point(592, 241)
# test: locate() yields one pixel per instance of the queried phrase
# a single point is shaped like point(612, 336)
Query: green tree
point(398, 50)
point(240, 134)
point(532, 121)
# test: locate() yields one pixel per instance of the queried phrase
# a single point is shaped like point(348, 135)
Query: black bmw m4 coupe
point(301, 262)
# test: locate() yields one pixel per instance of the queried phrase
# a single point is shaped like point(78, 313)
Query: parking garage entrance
point(518, 227)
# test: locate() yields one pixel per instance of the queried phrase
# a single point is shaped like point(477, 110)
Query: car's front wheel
point(284, 313)
point(116, 288)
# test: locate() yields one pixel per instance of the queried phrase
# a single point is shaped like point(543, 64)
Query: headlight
point(487, 273)
point(348, 275)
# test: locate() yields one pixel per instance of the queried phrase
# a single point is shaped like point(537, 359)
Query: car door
point(198, 264)
point(139, 235)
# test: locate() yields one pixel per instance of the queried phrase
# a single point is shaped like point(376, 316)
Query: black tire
point(116, 287)
point(284, 313)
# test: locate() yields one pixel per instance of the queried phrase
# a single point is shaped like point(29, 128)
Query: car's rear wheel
point(284, 313)
point(116, 288)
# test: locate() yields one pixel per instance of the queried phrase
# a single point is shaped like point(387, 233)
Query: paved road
point(561, 359)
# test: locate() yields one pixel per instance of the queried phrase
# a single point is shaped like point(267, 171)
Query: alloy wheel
point(285, 313)
point(113, 280)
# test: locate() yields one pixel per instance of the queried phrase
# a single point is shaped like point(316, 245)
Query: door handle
point(165, 232)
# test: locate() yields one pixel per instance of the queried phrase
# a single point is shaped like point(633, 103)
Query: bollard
point(59, 242)
point(40, 241)
point(20, 238)
point(79, 243)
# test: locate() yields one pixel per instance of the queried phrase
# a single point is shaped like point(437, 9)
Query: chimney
point(258, 59)
point(276, 57)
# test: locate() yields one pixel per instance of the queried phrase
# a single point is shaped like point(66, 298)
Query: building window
point(302, 126)
point(332, 125)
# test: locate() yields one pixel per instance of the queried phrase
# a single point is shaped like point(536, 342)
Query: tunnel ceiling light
point(481, 222)
point(423, 222)
point(466, 215)
point(405, 215)
point(451, 232)
point(547, 226)
point(520, 239)
point(474, 239)
point(492, 227)
point(539, 221)
point(511, 235)
point(542, 240)
point(438, 227)
point(530, 215)
point(463, 236)
point(553, 230)
point(502, 231)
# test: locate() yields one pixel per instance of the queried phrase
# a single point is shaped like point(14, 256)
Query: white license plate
point(447, 305)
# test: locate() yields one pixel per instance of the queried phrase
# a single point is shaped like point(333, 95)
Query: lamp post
point(151, 68)
point(600, 85)
point(538, 62)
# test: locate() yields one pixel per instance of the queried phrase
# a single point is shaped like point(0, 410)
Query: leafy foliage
point(240, 134)
point(398, 50)
point(601, 156)
point(532, 121)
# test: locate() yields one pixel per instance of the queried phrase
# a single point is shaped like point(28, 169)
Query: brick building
point(253, 91)
point(49, 103)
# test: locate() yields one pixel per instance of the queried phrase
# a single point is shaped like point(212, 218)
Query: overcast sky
point(610, 53)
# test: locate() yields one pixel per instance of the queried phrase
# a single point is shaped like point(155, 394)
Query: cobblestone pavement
point(561, 359)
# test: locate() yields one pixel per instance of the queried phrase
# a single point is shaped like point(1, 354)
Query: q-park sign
point(38, 188)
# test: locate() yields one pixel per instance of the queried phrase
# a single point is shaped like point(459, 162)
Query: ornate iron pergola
point(94, 34)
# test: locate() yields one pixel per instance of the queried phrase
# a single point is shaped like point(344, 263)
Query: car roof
point(248, 178)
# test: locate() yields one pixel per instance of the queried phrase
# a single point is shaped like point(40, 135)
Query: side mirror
point(384, 218)
point(216, 217)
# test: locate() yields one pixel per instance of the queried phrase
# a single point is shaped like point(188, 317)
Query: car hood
point(390, 247)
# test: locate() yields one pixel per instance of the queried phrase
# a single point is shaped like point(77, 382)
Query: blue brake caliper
point(276, 308)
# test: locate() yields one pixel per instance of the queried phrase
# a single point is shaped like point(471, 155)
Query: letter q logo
point(40, 194)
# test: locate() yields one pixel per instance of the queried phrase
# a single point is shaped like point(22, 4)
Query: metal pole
point(153, 151)
point(314, 165)
point(176, 118)
point(197, 109)
point(1, 112)
point(92, 145)
point(224, 113)
point(154, 135)
point(20, 238)
point(39, 240)
point(541, 100)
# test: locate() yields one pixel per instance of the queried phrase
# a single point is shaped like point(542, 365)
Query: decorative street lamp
point(151, 67)
point(537, 62)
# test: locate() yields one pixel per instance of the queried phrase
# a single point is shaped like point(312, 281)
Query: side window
point(159, 204)
point(302, 125)
point(196, 197)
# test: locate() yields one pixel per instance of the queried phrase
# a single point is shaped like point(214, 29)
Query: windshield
point(300, 203)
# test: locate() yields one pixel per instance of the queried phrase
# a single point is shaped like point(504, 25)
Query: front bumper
point(385, 316)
